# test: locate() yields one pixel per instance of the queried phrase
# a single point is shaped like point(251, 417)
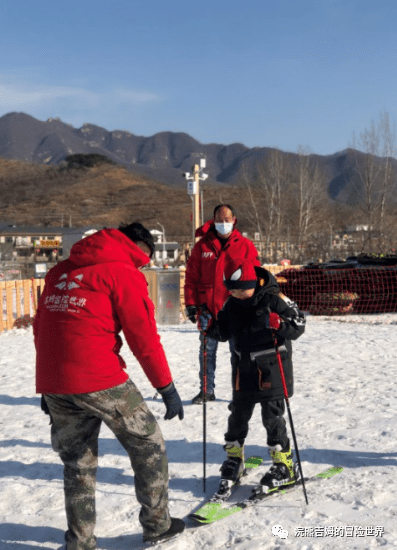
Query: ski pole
point(280, 365)
point(204, 408)
point(203, 309)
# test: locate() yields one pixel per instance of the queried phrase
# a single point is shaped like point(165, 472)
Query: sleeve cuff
point(165, 389)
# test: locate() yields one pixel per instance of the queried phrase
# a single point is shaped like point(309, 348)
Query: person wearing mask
point(219, 241)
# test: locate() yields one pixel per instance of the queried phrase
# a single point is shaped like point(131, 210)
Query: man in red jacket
point(219, 241)
point(87, 301)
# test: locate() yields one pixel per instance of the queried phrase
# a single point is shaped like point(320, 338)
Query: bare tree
point(387, 135)
point(375, 179)
point(266, 200)
point(254, 203)
point(369, 174)
point(309, 194)
point(275, 182)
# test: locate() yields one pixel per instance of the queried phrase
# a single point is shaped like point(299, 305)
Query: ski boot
point(282, 472)
point(231, 470)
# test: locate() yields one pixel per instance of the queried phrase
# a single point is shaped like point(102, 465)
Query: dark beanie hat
point(239, 274)
point(137, 232)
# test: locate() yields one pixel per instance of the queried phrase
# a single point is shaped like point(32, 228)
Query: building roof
point(27, 231)
point(5, 223)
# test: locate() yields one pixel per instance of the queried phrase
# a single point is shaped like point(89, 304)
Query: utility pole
point(196, 198)
point(193, 189)
point(163, 239)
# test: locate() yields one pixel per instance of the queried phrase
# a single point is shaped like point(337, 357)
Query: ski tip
point(330, 472)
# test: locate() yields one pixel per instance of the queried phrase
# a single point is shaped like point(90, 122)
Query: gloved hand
point(204, 320)
point(172, 401)
point(273, 321)
point(191, 312)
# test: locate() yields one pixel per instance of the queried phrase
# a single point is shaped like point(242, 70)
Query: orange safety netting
point(336, 291)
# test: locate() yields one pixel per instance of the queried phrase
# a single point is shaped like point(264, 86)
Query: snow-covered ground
point(344, 411)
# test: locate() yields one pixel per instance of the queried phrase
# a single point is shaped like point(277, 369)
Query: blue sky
point(284, 74)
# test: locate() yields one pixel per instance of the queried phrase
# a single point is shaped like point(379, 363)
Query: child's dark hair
point(137, 232)
point(224, 206)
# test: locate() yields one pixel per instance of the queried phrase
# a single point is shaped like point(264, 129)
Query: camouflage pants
point(74, 435)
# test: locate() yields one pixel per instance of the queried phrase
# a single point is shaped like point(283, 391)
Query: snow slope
point(344, 410)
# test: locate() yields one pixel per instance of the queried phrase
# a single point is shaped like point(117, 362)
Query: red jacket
point(205, 267)
point(86, 302)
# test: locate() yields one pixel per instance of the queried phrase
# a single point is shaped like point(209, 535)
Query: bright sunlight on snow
point(344, 411)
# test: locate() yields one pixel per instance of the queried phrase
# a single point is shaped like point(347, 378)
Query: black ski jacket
point(255, 364)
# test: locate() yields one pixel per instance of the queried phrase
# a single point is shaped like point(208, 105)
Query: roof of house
point(27, 231)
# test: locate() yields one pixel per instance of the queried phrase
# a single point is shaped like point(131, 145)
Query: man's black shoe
point(177, 527)
point(201, 397)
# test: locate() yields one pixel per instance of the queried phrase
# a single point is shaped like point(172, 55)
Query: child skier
point(255, 312)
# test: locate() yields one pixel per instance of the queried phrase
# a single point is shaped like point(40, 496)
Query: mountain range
point(163, 157)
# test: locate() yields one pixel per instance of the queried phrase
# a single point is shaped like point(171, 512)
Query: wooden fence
point(20, 298)
point(17, 299)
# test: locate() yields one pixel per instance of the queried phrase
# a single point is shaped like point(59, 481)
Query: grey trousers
point(76, 421)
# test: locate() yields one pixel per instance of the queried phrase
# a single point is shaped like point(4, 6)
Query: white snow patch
point(344, 410)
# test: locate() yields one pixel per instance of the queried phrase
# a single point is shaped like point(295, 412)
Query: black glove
point(172, 401)
point(191, 312)
point(204, 320)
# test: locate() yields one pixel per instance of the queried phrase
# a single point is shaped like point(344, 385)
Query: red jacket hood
point(107, 245)
point(86, 302)
point(210, 224)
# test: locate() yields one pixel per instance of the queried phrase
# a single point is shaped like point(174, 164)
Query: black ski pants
point(242, 407)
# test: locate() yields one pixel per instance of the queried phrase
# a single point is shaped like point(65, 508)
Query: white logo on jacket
point(207, 254)
point(62, 285)
point(64, 302)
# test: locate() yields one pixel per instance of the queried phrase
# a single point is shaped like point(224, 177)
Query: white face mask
point(224, 228)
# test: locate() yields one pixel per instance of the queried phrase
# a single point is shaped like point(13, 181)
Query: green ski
point(208, 514)
point(213, 505)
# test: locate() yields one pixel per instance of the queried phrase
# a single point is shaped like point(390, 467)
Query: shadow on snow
point(18, 535)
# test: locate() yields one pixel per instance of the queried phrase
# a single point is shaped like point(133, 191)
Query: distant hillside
point(162, 157)
point(37, 194)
